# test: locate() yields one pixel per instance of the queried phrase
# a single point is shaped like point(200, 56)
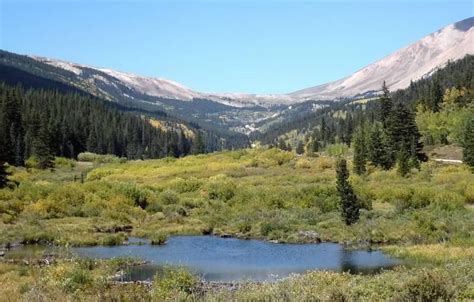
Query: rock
point(310, 236)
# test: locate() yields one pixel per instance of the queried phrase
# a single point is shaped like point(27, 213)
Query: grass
point(427, 218)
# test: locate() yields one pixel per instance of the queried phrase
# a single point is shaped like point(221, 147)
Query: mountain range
point(237, 111)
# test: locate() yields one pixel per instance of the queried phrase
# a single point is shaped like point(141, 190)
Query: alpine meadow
point(121, 187)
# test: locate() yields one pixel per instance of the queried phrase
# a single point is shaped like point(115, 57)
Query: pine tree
point(199, 144)
point(282, 145)
point(403, 132)
point(348, 205)
point(42, 147)
point(314, 145)
point(468, 144)
point(300, 148)
point(378, 149)
point(403, 161)
point(3, 175)
point(360, 151)
point(436, 99)
point(385, 105)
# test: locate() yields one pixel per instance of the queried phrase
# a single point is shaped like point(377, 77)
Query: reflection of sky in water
point(218, 259)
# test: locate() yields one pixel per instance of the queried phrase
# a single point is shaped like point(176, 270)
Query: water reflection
point(230, 259)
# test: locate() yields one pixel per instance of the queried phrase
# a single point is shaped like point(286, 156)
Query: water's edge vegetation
point(253, 193)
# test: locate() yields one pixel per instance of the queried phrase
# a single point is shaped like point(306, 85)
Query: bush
point(158, 238)
point(182, 185)
point(448, 201)
point(99, 158)
point(325, 162)
point(303, 163)
point(169, 197)
point(113, 239)
point(76, 279)
point(427, 286)
point(138, 195)
point(64, 162)
point(32, 162)
point(173, 284)
point(337, 150)
point(221, 187)
point(269, 227)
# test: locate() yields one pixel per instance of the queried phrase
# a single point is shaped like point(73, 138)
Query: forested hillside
point(440, 103)
point(46, 123)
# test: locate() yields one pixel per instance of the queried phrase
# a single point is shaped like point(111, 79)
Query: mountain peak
point(464, 25)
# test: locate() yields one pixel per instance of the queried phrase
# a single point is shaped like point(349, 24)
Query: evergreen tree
point(436, 99)
point(42, 147)
point(348, 205)
point(300, 148)
point(199, 148)
point(385, 105)
point(282, 145)
point(403, 132)
point(360, 151)
point(3, 175)
point(468, 144)
point(403, 161)
point(378, 149)
point(314, 145)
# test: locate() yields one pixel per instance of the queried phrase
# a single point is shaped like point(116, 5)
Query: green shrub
point(182, 185)
point(76, 279)
point(31, 162)
point(168, 197)
point(337, 150)
point(113, 239)
point(158, 238)
point(138, 195)
point(269, 227)
point(62, 162)
point(99, 158)
point(427, 286)
point(448, 201)
point(221, 187)
point(173, 284)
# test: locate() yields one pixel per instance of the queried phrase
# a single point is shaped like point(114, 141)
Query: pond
point(231, 259)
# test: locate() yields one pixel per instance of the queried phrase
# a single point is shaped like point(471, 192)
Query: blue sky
point(224, 46)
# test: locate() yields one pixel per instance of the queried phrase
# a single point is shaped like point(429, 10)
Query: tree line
point(47, 123)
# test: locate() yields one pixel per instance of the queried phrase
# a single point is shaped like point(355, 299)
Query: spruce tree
point(436, 99)
point(348, 204)
point(42, 146)
point(300, 148)
point(281, 144)
point(385, 105)
point(3, 175)
point(403, 132)
point(360, 151)
point(403, 161)
point(199, 144)
point(378, 148)
point(468, 144)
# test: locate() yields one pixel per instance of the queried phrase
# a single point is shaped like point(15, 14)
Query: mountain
point(240, 112)
point(408, 64)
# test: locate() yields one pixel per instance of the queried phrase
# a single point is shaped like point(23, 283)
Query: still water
point(230, 259)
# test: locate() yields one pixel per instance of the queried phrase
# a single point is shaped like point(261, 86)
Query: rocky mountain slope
point(398, 69)
point(407, 64)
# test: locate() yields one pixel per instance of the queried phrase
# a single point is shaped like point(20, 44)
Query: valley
point(120, 187)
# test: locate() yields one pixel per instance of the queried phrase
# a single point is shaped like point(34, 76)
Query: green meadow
point(426, 218)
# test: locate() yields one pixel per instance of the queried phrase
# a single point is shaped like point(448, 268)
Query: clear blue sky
point(224, 46)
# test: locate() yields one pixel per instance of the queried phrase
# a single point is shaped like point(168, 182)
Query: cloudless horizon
point(226, 46)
